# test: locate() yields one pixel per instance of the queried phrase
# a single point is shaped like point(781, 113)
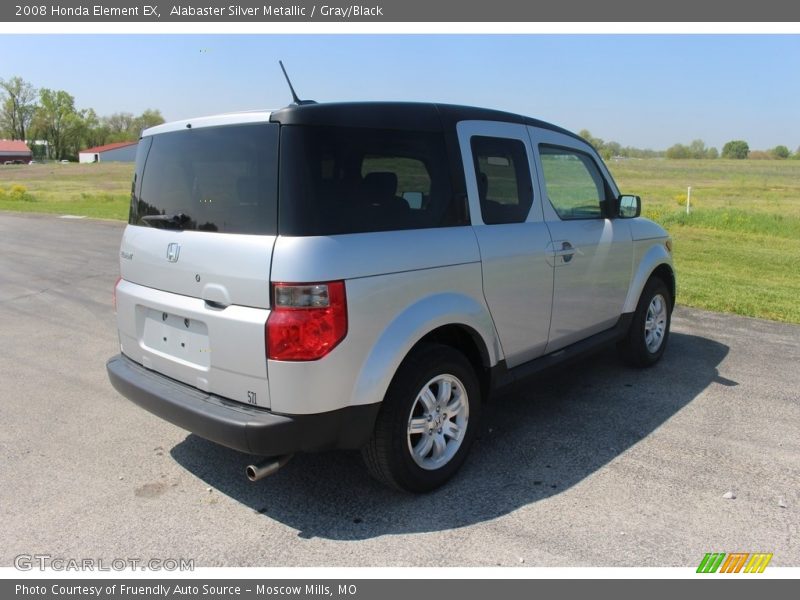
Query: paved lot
point(595, 465)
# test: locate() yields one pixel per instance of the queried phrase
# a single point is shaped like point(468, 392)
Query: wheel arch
point(452, 319)
point(656, 262)
point(467, 341)
point(666, 274)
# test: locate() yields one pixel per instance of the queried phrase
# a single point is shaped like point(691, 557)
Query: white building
point(119, 152)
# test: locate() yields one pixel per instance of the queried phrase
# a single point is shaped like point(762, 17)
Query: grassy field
point(93, 190)
point(739, 248)
point(738, 251)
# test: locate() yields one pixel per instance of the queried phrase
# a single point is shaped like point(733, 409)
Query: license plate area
point(176, 337)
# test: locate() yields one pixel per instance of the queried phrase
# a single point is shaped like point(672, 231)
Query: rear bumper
point(235, 425)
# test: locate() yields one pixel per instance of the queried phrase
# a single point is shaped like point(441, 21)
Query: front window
point(574, 185)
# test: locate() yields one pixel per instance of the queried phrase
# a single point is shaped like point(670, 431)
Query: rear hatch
point(195, 257)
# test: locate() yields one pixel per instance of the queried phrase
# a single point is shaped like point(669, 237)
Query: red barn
point(14, 152)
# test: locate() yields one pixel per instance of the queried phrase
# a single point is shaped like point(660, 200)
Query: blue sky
point(640, 90)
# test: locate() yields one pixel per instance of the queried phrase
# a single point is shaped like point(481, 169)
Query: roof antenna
point(297, 100)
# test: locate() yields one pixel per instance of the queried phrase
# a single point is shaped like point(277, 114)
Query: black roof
point(418, 116)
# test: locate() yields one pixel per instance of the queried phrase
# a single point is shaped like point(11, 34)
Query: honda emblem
point(173, 251)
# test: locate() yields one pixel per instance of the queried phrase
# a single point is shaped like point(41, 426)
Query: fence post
point(688, 198)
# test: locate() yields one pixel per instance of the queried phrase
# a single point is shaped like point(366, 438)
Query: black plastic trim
point(504, 380)
point(235, 425)
point(415, 116)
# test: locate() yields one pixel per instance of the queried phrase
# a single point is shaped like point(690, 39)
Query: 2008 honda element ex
point(365, 275)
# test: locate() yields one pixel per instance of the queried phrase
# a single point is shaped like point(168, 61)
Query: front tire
point(647, 337)
point(427, 422)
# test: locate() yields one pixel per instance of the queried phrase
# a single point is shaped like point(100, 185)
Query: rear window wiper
point(176, 220)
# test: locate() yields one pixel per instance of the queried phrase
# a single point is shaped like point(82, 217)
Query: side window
point(575, 187)
point(339, 180)
point(413, 179)
point(504, 179)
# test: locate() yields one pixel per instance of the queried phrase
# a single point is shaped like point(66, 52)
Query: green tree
point(119, 126)
point(612, 149)
point(780, 152)
point(736, 149)
point(94, 133)
point(17, 107)
point(124, 126)
point(697, 149)
point(678, 151)
point(641, 153)
point(712, 153)
point(597, 143)
point(149, 118)
point(57, 121)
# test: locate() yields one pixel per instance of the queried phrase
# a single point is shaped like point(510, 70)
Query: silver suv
point(366, 275)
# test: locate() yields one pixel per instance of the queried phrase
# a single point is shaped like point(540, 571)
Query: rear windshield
point(208, 179)
point(336, 180)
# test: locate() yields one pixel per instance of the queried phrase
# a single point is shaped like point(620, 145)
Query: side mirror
point(629, 207)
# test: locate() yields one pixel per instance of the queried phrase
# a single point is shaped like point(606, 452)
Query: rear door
point(513, 239)
point(592, 254)
point(195, 257)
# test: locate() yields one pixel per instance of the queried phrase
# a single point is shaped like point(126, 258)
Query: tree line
point(29, 114)
point(32, 115)
point(736, 149)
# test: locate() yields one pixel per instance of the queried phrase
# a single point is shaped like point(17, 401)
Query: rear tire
point(647, 337)
point(427, 421)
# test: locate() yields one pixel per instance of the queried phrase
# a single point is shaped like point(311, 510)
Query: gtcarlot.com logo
point(42, 562)
point(735, 562)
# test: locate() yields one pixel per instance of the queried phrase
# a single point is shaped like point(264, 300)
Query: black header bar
point(398, 11)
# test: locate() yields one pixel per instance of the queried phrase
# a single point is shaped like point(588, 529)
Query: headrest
point(379, 185)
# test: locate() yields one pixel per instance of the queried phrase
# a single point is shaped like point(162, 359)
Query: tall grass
point(99, 190)
point(738, 250)
point(732, 220)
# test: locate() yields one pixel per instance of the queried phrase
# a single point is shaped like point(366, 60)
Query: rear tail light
point(307, 320)
point(114, 293)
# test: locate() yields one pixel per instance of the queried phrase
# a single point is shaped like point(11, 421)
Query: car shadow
point(533, 444)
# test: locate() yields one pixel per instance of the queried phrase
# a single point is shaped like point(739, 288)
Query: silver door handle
point(567, 249)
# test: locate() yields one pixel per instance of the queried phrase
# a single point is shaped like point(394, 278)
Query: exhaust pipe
point(267, 468)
